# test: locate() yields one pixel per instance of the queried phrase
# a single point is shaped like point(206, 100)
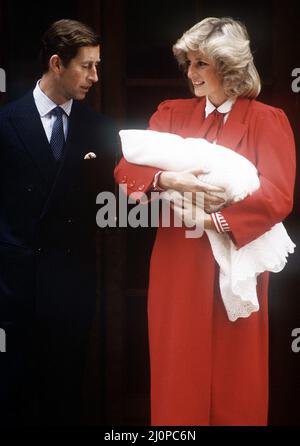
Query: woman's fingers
point(207, 200)
point(186, 181)
point(197, 172)
point(213, 199)
point(205, 187)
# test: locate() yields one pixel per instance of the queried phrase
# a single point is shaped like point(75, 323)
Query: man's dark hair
point(64, 38)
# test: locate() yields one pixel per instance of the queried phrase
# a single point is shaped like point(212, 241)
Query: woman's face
point(204, 78)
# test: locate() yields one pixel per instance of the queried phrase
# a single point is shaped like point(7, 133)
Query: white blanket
point(239, 268)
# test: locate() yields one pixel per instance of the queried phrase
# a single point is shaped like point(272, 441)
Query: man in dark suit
point(54, 159)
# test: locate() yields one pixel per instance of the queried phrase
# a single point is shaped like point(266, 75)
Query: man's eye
point(90, 67)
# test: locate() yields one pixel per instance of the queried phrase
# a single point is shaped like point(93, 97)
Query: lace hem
point(239, 268)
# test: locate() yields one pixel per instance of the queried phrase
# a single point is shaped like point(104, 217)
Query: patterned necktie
point(215, 127)
point(57, 140)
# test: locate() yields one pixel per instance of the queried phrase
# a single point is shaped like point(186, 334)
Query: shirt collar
point(44, 104)
point(223, 108)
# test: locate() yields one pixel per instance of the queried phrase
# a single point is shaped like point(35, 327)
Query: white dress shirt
point(45, 105)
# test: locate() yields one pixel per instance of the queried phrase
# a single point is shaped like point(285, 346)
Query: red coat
point(206, 370)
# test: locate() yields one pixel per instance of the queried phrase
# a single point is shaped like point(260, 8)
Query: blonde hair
point(226, 43)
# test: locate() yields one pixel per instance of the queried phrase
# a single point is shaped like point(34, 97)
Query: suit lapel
point(235, 127)
point(29, 127)
point(73, 155)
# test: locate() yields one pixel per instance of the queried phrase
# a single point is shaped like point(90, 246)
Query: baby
point(239, 268)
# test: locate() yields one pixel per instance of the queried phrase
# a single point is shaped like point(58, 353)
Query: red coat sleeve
point(140, 178)
point(273, 201)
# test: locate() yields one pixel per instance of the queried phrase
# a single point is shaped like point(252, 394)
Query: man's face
point(77, 78)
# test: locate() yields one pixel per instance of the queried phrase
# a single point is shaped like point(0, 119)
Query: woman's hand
point(192, 215)
point(208, 223)
point(188, 181)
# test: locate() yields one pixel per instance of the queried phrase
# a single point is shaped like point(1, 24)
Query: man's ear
point(55, 63)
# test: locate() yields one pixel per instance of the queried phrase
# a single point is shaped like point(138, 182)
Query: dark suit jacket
point(47, 207)
point(47, 227)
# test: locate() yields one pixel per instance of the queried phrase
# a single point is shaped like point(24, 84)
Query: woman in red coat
point(206, 370)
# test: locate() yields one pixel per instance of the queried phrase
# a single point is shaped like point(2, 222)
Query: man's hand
point(187, 181)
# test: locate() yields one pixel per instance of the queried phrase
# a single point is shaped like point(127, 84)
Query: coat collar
point(235, 127)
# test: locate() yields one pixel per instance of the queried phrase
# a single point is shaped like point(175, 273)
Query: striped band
point(220, 223)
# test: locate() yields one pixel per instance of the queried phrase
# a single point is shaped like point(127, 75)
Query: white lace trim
point(239, 268)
